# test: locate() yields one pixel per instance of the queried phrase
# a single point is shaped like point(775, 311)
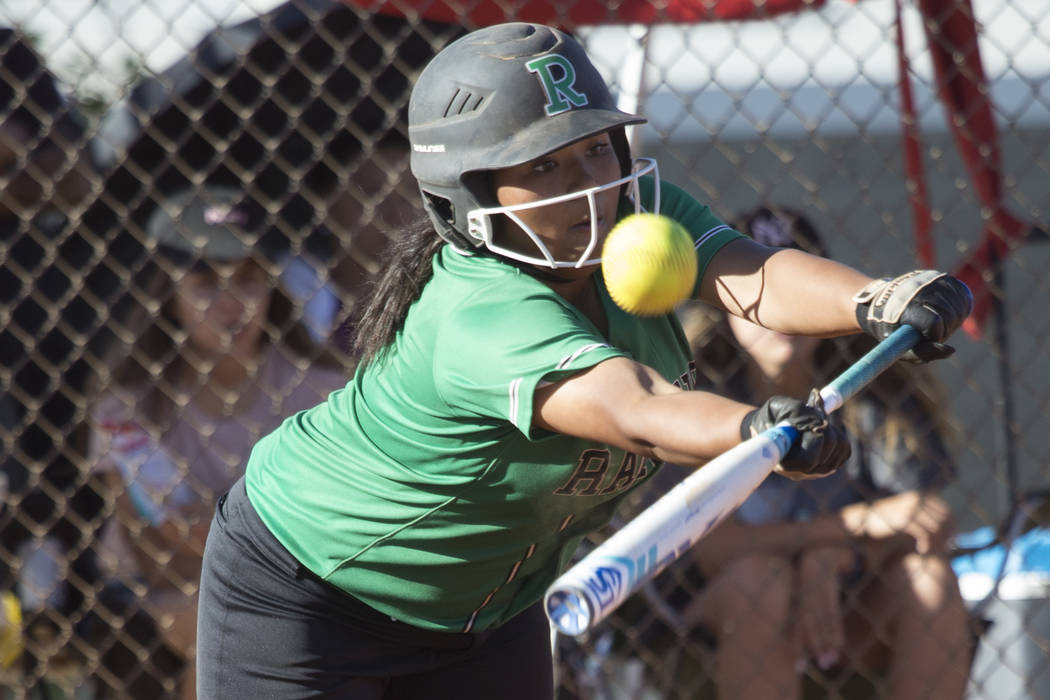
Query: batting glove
point(821, 447)
point(934, 303)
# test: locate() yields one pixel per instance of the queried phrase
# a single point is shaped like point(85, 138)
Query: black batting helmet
point(499, 97)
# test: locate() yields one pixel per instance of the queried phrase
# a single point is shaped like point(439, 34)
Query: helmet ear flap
point(442, 214)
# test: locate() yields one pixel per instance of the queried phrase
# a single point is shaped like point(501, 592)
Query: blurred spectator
point(49, 511)
point(217, 358)
point(845, 573)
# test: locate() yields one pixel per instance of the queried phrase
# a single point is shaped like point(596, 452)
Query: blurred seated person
point(849, 572)
point(218, 358)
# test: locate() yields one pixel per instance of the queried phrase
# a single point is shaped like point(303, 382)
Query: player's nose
point(585, 171)
point(588, 174)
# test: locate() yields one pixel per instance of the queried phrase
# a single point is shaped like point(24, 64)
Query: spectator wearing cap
point(847, 574)
point(216, 358)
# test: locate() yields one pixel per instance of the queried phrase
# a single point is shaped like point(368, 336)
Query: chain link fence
point(910, 135)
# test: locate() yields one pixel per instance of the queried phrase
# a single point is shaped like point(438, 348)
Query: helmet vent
point(462, 102)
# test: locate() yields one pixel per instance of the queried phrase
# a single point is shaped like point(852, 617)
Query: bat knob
point(569, 612)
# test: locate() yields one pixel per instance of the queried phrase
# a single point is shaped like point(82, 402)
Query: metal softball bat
point(595, 586)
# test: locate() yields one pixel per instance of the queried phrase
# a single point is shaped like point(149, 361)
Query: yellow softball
point(649, 264)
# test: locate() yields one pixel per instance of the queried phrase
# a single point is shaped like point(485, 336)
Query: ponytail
point(411, 254)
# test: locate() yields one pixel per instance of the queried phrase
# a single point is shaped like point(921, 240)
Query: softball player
point(394, 541)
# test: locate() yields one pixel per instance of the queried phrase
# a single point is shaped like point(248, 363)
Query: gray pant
point(268, 628)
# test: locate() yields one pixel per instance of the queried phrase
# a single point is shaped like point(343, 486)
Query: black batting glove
point(934, 303)
point(821, 447)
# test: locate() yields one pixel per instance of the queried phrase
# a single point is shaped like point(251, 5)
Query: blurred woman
point(849, 571)
point(221, 361)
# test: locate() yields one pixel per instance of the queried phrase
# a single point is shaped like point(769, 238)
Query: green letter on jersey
point(561, 95)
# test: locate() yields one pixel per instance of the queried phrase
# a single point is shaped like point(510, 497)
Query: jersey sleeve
point(489, 362)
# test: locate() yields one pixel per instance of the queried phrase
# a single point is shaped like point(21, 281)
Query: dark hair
point(411, 258)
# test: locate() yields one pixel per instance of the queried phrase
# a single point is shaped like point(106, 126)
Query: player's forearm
point(785, 290)
point(623, 403)
point(687, 428)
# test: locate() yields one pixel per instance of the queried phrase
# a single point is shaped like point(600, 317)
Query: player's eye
point(544, 165)
point(600, 148)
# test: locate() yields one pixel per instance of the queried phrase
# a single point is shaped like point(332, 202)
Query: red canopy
point(569, 13)
point(960, 83)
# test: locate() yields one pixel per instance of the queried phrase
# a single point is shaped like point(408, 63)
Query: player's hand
point(934, 303)
point(821, 447)
point(819, 627)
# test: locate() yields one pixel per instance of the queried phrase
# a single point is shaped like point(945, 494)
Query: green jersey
point(422, 487)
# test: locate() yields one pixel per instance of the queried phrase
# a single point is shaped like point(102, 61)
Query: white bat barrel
point(596, 586)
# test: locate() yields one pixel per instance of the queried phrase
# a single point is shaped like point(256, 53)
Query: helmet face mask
point(499, 97)
point(481, 228)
